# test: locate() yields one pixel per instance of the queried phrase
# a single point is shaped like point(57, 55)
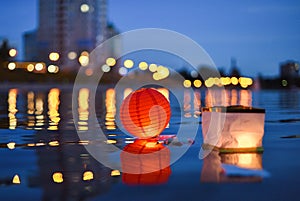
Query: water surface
point(42, 157)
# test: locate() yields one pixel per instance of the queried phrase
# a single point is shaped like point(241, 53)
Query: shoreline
point(68, 85)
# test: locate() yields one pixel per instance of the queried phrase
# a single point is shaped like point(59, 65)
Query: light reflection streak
point(83, 106)
point(53, 143)
point(30, 103)
point(110, 105)
point(208, 99)
point(12, 108)
point(57, 177)
point(53, 106)
point(246, 97)
point(88, 175)
point(115, 173)
point(187, 104)
point(39, 105)
point(227, 97)
point(16, 179)
point(111, 141)
point(197, 104)
point(11, 145)
point(30, 110)
point(234, 97)
point(39, 109)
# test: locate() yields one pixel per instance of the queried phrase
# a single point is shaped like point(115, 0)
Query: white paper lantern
point(233, 128)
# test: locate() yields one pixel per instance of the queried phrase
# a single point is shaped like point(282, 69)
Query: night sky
point(258, 33)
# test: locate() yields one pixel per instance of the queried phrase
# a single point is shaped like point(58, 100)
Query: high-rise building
point(68, 29)
point(30, 46)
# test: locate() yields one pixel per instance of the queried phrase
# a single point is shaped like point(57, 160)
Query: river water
point(43, 158)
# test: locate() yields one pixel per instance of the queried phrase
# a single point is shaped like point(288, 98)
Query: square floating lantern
point(233, 128)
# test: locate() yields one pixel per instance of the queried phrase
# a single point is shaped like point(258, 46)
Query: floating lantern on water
point(145, 161)
point(145, 113)
point(233, 128)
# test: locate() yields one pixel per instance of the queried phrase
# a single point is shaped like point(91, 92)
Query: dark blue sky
point(258, 33)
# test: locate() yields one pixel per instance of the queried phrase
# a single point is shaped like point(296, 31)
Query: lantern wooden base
point(233, 150)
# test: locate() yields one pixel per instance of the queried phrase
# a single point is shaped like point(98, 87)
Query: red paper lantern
point(145, 113)
point(145, 162)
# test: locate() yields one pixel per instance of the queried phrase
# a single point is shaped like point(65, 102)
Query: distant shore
point(34, 85)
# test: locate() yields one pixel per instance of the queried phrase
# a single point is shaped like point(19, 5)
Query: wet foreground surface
point(43, 158)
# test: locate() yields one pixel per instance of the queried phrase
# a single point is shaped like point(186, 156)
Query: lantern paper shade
point(145, 162)
point(145, 113)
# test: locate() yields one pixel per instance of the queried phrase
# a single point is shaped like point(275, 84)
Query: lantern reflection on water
point(213, 171)
point(233, 128)
point(243, 160)
point(145, 161)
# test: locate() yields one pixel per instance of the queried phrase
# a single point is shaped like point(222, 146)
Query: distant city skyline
point(67, 31)
point(259, 34)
